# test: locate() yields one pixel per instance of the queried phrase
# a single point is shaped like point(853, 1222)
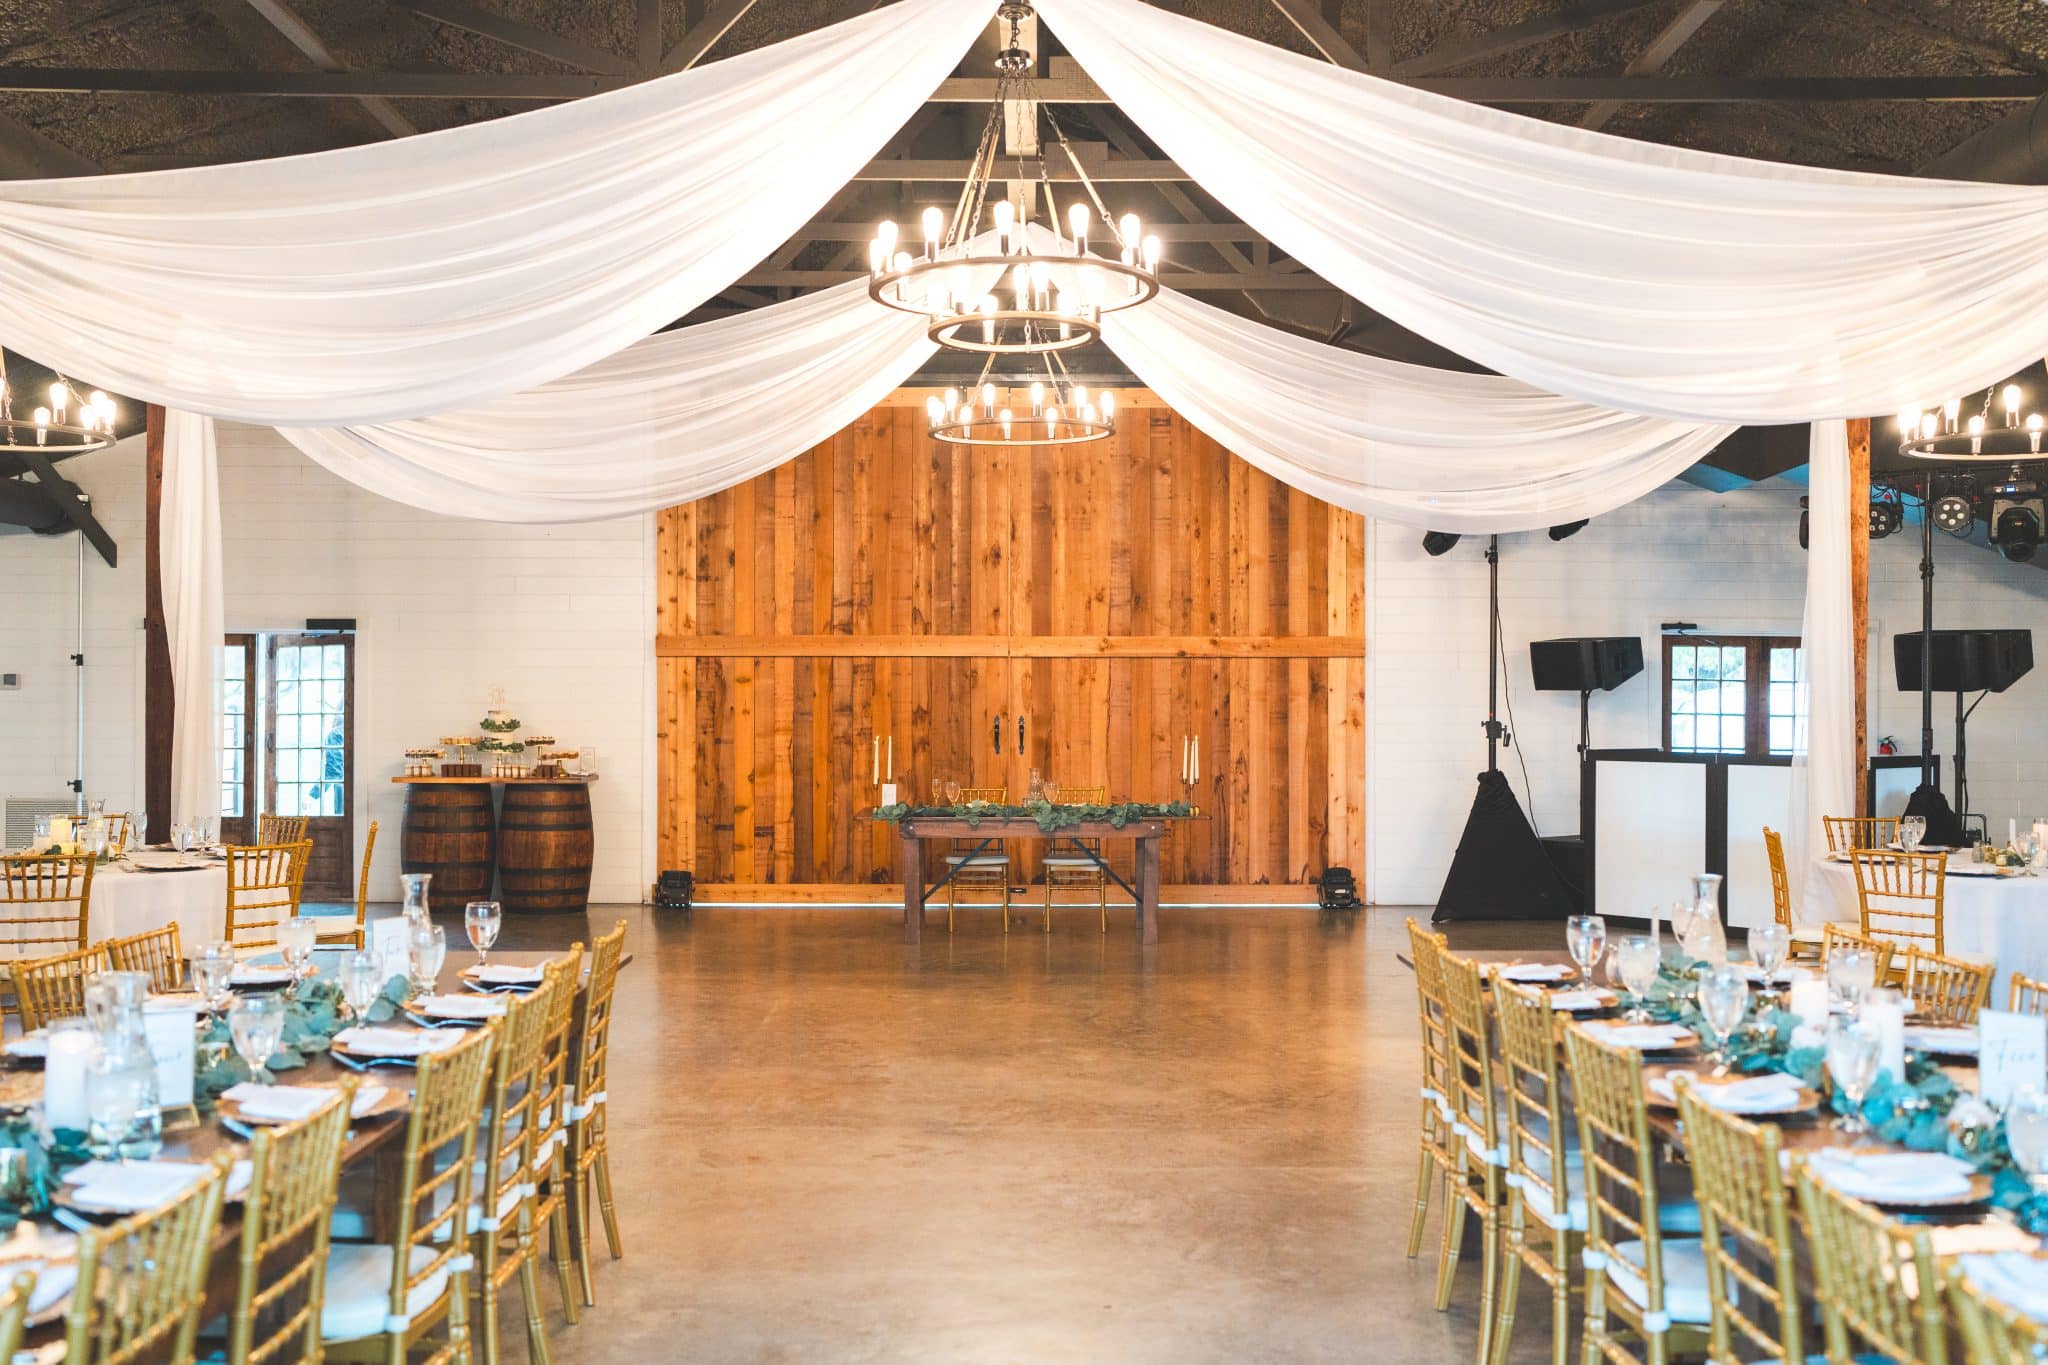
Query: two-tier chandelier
point(70, 423)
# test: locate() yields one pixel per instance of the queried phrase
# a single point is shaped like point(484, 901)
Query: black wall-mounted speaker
point(1966, 660)
point(1585, 665)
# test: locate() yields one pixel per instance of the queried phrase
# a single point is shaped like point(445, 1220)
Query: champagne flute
point(1586, 937)
point(1852, 1056)
point(482, 919)
point(1724, 998)
point(256, 1023)
point(1637, 959)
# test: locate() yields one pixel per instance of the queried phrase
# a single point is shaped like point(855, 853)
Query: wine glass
point(1636, 960)
point(1851, 971)
point(1586, 937)
point(1768, 944)
point(1912, 829)
point(256, 1023)
point(482, 919)
point(295, 939)
point(362, 979)
point(1724, 998)
point(428, 945)
point(213, 965)
point(181, 837)
point(952, 792)
point(1852, 1053)
point(2026, 1134)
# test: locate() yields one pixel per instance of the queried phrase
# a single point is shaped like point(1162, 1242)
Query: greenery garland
point(1047, 816)
point(311, 1019)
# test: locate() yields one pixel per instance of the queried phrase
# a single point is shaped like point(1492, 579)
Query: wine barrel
point(545, 845)
point(450, 832)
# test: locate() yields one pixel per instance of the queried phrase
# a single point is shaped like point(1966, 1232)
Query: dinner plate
point(248, 977)
point(345, 1047)
point(1951, 1041)
point(1583, 1001)
point(1537, 973)
point(462, 1009)
point(1681, 1037)
point(38, 1253)
point(137, 1197)
point(392, 1101)
point(500, 978)
point(1803, 1100)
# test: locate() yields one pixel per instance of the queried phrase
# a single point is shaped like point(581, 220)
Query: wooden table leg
point(1148, 889)
point(913, 887)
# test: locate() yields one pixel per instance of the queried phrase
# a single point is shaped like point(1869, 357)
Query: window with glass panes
point(234, 729)
point(1733, 694)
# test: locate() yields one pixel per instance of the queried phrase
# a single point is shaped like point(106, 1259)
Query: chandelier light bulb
point(1977, 435)
point(2012, 397)
point(1004, 418)
point(886, 235)
point(1950, 409)
point(1077, 224)
point(60, 398)
point(1080, 395)
point(2034, 431)
point(1152, 255)
point(952, 400)
point(934, 228)
point(934, 409)
point(1037, 399)
point(1909, 423)
point(42, 425)
point(1129, 229)
point(878, 255)
point(988, 398)
point(1108, 406)
point(1004, 214)
point(1929, 426)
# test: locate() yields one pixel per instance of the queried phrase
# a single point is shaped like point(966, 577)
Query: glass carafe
point(121, 1079)
point(1704, 939)
point(415, 884)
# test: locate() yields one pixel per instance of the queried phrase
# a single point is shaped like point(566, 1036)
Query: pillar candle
point(60, 829)
point(1809, 1000)
point(70, 1049)
point(1886, 1012)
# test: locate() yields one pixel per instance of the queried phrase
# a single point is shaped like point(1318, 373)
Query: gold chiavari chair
point(117, 831)
point(1946, 990)
point(502, 1223)
point(14, 1314)
point(1655, 1284)
point(1437, 1157)
point(263, 892)
point(589, 1157)
point(1746, 1232)
point(551, 1129)
point(1477, 1183)
point(280, 829)
point(45, 900)
point(1847, 833)
point(1546, 1180)
point(383, 1299)
point(334, 929)
point(1077, 869)
point(1899, 895)
point(142, 1281)
point(1873, 1278)
point(987, 870)
point(2028, 995)
point(47, 988)
point(1995, 1332)
point(1834, 936)
point(282, 1251)
point(157, 952)
point(1805, 937)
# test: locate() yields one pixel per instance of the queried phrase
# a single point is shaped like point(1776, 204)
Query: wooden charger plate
point(395, 1100)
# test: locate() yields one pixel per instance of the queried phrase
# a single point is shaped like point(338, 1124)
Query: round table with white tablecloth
point(128, 901)
point(2003, 919)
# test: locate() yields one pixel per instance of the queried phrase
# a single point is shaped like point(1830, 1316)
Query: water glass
point(2026, 1133)
point(295, 939)
point(482, 919)
point(952, 792)
point(1724, 999)
point(362, 979)
point(114, 1096)
point(1851, 972)
point(1768, 944)
point(181, 837)
point(1852, 1054)
point(1637, 958)
point(1912, 829)
point(1586, 937)
point(256, 1023)
point(213, 966)
point(428, 945)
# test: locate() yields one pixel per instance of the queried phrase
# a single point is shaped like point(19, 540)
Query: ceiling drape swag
point(1648, 278)
point(434, 272)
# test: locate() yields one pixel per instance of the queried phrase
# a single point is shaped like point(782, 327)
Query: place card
point(390, 944)
point(2012, 1054)
point(172, 1037)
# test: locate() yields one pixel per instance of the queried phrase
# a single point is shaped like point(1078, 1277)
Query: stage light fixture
point(1805, 522)
point(2016, 527)
point(1886, 518)
point(1438, 542)
point(1569, 529)
point(1953, 514)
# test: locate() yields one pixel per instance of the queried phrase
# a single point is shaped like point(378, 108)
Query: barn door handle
point(1020, 736)
point(998, 732)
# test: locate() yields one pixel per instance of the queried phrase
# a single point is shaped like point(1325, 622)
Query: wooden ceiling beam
point(1307, 18)
point(1661, 49)
point(691, 47)
point(26, 154)
point(280, 16)
point(1514, 37)
point(513, 34)
point(647, 33)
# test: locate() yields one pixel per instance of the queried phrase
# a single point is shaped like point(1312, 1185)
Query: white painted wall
point(560, 616)
point(1730, 563)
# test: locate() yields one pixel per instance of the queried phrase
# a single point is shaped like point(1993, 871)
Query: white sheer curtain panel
point(189, 557)
point(1824, 782)
point(1642, 277)
point(435, 272)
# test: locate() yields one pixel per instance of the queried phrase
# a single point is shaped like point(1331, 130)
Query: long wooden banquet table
point(375, 1144)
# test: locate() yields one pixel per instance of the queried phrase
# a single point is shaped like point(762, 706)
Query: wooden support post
point(1859, 597)
point(157, 703)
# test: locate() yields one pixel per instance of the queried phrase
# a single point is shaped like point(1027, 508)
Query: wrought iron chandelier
point(991, 291)
point(1043, 414)
point(71, 424)
point(1942, 432)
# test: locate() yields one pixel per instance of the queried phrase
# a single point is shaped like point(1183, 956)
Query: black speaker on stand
point(1584, 665)
point(1958, 661)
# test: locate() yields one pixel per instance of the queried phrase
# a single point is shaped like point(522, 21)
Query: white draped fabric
point(430, 273)
point(1428, 448)
point(677, 416)
point(1648, 278)
point(1824, 782)
point(189, 557)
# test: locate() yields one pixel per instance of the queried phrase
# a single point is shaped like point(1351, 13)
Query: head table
point(2000, 919)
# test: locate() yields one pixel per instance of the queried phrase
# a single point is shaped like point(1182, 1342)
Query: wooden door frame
point(347, 639)
point(242, 829)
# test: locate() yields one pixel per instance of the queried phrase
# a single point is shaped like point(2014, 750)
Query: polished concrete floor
point(832, 1147)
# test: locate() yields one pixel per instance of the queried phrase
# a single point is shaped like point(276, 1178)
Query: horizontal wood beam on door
point(1009, 647)
point(770, 894)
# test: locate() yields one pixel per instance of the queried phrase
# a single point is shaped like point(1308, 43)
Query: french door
point(238, 740)
point(309, 750)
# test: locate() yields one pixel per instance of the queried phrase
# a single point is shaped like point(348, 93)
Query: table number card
point(173, 1042)
point(2012, 1054)
point(389, 944)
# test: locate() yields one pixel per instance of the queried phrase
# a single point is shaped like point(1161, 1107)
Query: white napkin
point(290, 1103)
point(505, 974)
point(397, 1042)
point(1955, 1041)
point(1980, 1239)
point(36, 1044)
point(1893, 1177)
point(1751, 1095)
point(251, 974)
point(2013, 1278)
point(1644, 1037)
point(46, 1254)
point(1579, 1000)
point(458, 1006)
point(1537, 971)
point(137, 1186)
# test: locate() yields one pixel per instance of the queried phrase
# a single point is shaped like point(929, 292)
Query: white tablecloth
point(125, 902)
point(2004, 919)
